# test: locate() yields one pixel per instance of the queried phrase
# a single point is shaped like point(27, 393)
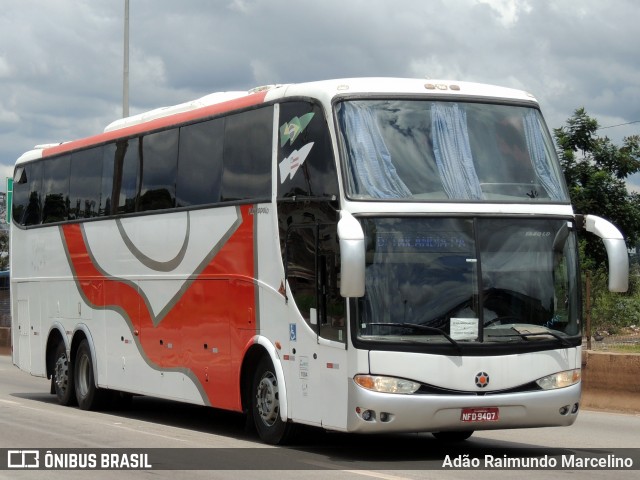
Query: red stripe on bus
point(159, 123)
point(206, 331)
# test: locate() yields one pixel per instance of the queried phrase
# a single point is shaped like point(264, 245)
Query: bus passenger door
point(300, 270)
point(21, 335)
point(332, 332)
point(320, 338)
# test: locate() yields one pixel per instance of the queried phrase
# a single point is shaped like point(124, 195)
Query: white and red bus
point(363, 255)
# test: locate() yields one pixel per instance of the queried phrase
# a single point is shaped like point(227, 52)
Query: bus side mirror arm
point(352, 256)
point(616, 250)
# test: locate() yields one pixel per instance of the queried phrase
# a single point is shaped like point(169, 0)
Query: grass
point(622, 348)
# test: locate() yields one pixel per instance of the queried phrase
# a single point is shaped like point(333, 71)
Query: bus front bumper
point(371, 412)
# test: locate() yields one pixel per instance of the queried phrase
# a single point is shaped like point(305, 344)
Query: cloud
point(61, 62)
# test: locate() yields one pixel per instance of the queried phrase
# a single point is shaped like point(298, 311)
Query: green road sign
point(9, 199)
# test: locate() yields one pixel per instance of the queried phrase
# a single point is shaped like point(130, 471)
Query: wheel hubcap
point(267, 399)
point(61, 372)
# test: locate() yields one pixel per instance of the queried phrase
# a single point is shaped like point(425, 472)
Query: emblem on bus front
point(482, 379)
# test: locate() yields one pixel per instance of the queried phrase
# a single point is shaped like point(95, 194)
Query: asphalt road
point(30, 418)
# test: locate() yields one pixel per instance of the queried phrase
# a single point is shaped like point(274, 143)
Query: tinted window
point(107, 184)
point(85, 183)
point(305, 158)
point(159, 163)
point(125, 187)
point(200, 165)
point(56, 189)
point(312, 276)
point(27, 203)
point(247, 155)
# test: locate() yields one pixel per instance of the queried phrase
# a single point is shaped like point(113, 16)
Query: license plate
point(487, 414)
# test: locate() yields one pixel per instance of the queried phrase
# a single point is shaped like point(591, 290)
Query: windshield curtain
point(420, 150)
point(452, 152)
point(376, 175)
point(478, 280)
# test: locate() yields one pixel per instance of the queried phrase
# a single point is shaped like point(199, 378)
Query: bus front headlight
point(559, 380)
point(382, 384)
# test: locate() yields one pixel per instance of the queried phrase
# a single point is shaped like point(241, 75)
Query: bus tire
point(265, 405)
point(452, 437)
point(89, 396)
point(62, 377)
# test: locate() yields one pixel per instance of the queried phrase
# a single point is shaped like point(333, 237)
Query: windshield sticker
point(290, 165)
point(464, 328)
point(290, 130)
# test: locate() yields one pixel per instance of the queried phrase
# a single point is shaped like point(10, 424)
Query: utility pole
point(125, 73)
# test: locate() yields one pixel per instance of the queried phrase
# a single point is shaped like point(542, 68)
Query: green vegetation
point(624, 348)
point(595, 170)
point(613, 312)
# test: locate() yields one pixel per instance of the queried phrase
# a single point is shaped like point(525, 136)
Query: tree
point(595, 170)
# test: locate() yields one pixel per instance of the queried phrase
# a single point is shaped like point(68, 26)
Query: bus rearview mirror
point(616, 251)
point(352, 252)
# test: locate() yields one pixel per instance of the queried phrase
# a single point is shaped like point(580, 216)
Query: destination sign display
point(455, 242)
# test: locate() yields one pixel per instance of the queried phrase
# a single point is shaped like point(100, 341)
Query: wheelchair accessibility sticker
point(292, 332)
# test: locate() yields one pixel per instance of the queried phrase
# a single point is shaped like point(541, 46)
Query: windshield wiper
point(424, 328)
point(308, 198)
point(525, 335)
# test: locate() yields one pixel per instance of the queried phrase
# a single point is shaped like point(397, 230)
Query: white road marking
point(366, 473)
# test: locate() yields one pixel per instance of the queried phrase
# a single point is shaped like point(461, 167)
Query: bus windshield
point(471, 280)
point(417, 150)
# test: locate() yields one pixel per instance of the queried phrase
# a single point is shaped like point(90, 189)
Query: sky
point(61, 61)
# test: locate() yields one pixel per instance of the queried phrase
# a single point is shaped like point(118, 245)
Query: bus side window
point(312, 273)
point(301, 271)
point(247, 156)
point(200, 163)
point(332, 305)
point(159, 162)
point(85, 183)
point(56, 189)
point(27, 191)
point(304, 139)
point(107, 206)
point(20, 194)
point(125, 175)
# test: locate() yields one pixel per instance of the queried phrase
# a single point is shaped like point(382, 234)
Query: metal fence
point(629, 338)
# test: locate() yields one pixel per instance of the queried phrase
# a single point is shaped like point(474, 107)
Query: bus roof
point(325, 90)
point(330, 89)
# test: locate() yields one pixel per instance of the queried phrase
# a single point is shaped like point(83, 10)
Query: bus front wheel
point(88, 395)
point(265, 405)
point(63, 376)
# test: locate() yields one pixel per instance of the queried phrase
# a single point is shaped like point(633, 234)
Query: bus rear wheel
point(265, 405)
point(88, 395)
point(62, 377)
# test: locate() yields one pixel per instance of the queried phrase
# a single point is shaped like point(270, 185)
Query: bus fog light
point(385, 416)
point(367, 415)
point(564, 410)
point(575, 408)
point(559, 380)
point(386, 384)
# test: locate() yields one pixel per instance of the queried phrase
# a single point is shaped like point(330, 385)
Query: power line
point(619, 125)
